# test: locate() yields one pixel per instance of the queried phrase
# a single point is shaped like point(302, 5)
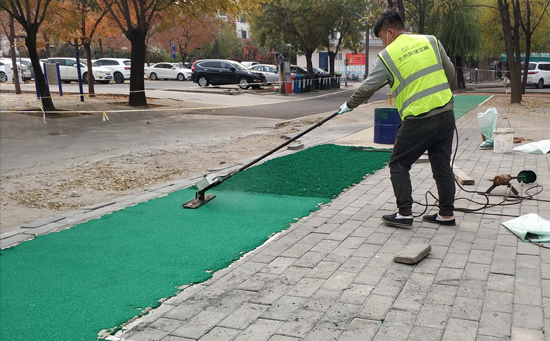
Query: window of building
point(243, 34)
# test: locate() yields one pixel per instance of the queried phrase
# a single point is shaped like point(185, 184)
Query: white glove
point(344, 108)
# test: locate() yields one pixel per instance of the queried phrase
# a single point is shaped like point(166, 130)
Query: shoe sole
point(393, 223)
point(446, 223)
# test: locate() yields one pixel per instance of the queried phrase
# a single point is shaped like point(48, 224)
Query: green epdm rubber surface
point(99, 274)
point(465, 103)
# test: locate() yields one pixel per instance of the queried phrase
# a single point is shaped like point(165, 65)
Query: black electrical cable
point(517, 199)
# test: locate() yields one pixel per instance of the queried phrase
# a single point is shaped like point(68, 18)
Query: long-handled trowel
point(210, 180)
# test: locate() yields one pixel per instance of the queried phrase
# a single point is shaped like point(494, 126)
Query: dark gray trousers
point(415, 136)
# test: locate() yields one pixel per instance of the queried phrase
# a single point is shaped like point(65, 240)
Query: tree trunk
point(13, 57)
point(461, 84)
point(30, 41)
point(101, 53)
point(137, 83)
point(510, 42)
point(91, 88)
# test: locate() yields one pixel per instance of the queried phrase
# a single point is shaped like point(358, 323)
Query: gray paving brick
point(441, 295)
point(531, 295)
point(481, 257)
point(176, 338)
point(375, 307)
point(433, 316)
point(278, 265)
point(367, 251)
point(528, 262)
point(283, 338)
point(327, 228)
point(356, 293)
point(306, 287)
point(339, 255)
point(498, 301)
point(353, 264)
point(325, 246)
point(340, 280)
point(42, 222)
point(258, 281)
point(322, 300)
point(283, 308)
point(460, 330)
point(519, 333)
point(503, 266)
point(428, 266)
point(300, 323)
point(166, 324)
point(220, 334)
point(310, 259)
point(323, 269)
point(242, 317)
point(448, 276)
point(397, 325)
point(465, 308)
point(200, 324)
point(455, 260)
point(323, 334)
point(528, 276)
point(409, 300)
point(419, 282)
point(460, 247)
point(472, 288)
point(421, 333)
point(270, 293)
point(485, 244)
point(147, 334)
point(381, 260)
point(528, 316)
point(370, 275)
point(338, 316)
point(360, 329)
point(528, 249)
point(297, 250)
point(14, 240)
point(505, 252)
point(475, 271)
point(495, 324)
point(260, 330)
point(229, 301)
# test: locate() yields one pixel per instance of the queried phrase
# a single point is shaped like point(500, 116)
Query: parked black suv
point(221, 72)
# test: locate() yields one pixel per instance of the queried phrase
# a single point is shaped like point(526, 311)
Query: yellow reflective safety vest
point(419, 80)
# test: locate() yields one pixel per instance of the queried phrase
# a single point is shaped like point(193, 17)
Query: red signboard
point(356, 58)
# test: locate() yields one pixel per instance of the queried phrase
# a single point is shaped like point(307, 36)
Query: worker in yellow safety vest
point(419, 71)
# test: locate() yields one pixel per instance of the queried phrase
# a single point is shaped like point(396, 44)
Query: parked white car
point(167, 71)
point(270, 71)
point(538, 74)
point(68, 70)
point(120, 67)
point(249, 64)
point(6, 72)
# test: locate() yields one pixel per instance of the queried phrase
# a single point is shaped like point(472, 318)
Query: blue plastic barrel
point(386, 122)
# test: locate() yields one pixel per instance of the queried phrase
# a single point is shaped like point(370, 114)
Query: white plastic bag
point(487, 123)
point(539, 147)
point(530, 227)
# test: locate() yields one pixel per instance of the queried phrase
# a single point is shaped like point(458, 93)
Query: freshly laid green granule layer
point(320, 171)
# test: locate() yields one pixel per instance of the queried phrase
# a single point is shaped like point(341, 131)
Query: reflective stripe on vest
point(412, 97)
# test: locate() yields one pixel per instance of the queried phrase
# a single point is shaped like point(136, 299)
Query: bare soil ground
point(27, 197)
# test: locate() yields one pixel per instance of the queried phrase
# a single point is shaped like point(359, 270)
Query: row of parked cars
point(203, 72)
point(247, 74)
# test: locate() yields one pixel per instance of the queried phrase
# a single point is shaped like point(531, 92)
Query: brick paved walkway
point(331, 276)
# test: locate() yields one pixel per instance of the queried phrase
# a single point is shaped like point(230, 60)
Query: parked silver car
point(270, 72)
